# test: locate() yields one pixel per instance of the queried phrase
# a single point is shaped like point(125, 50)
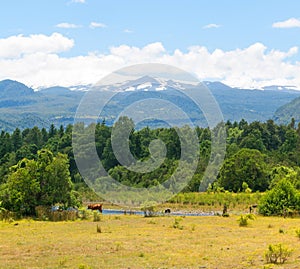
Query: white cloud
point(94, 25)
point(78, 1)
point(67, 25)
point(211, 25)
point(128, 31)
point(16, 46)
point(290, 23)
point(35, 60)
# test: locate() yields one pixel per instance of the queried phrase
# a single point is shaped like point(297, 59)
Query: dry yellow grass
point(138, 242)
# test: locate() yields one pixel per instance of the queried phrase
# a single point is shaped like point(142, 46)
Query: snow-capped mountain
point(146, 83)
point(21, 106)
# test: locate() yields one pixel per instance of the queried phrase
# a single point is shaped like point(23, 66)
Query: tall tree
point(247, 165)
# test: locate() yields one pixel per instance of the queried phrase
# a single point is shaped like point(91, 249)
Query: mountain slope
point(21, 106)
point(10, 88)
point(285, 113)
point(252, 105)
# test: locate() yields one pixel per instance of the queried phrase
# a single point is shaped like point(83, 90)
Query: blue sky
point(95, 27)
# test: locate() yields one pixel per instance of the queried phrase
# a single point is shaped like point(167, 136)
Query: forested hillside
point(288, 111)
point(257, 154)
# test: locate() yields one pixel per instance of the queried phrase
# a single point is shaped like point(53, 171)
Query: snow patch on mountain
point(144, 86)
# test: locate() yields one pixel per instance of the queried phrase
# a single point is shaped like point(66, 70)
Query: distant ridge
point(55, 90)
point(10, 88)
point(285, 113)
point(21, 106)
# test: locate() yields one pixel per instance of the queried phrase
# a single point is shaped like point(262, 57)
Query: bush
point(47, 213)
point(277, 253)
point(149, 209)
point(96, 216)
point(177, 223)
point(7, 215)
point(84, 214)
point(243, 219)
point(283, 196)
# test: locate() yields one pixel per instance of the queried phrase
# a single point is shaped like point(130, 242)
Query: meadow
point(131, 241)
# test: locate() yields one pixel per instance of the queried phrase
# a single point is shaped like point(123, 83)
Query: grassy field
point(138, 242)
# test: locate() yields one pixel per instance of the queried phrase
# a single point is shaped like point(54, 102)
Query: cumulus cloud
point(290, 23)
point(211, 25)
point(35, 61)
point(67, 25)
point(16, 46)
point(94, 25)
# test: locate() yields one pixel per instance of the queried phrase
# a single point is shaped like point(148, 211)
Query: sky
point(248, 44)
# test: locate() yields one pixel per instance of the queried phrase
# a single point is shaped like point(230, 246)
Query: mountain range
point(21, 106)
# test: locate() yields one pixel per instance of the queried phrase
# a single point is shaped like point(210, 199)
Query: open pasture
point(137, 242)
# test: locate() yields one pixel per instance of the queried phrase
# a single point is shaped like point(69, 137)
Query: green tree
point(16, 139)
point(21, 189)
point(54, 178)
point(290, 143)
point(283, 196)
point(52, 131)
point(253, 141)
point(58, 185)
point(34, 136)
point(280, 172)
point(44, 181)
point(247, 165)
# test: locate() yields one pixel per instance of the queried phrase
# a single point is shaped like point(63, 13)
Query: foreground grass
point(138, 242)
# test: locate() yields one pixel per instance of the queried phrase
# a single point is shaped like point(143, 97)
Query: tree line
point(258, 156)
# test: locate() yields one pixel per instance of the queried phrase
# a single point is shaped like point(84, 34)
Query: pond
point(137, 212)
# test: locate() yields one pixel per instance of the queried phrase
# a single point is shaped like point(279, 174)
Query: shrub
point(243, 219)
point(149, 209)
point(177, 224)
point(7, 215)
point(277, 253)
point(96, 216)
point(84, 214)
point(46, 213)
point(141, 255)
point(282, 197)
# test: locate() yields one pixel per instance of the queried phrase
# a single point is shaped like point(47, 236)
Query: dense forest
point(258, 156)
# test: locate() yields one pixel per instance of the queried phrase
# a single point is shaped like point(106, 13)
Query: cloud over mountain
point(36, 61)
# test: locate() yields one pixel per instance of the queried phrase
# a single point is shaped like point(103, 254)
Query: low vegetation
point(215, 200)
point(244, 219)
point(277, 253)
